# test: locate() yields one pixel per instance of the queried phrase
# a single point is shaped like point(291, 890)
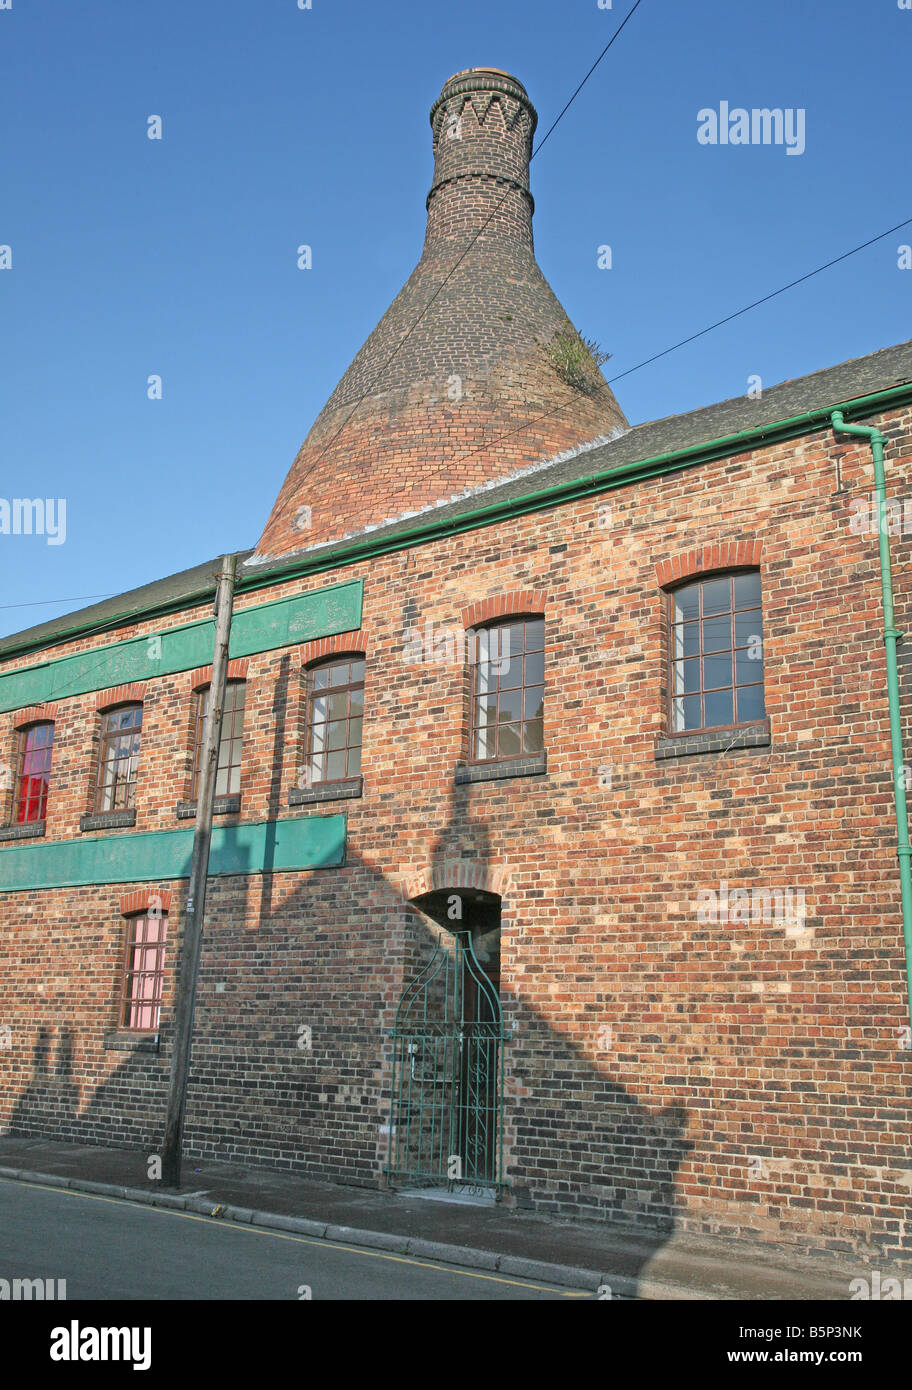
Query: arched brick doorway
point(446, 1120)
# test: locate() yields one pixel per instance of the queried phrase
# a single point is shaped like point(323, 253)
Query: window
point(716, 677)
point(120, 733)
point(336, 711)
point(36, 746)
point(228, 775)
point(508, 689)
point(144, 971)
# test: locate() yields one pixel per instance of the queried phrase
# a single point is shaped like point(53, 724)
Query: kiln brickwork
point(677, 1053)
point(455, 386)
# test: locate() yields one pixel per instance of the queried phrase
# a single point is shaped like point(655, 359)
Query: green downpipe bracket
point(891, 636)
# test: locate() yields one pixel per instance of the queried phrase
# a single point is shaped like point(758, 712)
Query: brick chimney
point(483, 123)
point(457, 386)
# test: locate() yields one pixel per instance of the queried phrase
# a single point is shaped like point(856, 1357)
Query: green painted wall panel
point(303, 842)
point(261, 629)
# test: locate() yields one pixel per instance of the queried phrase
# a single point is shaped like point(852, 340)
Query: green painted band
point(263, 628)
point(335, 557)
point(304, 842)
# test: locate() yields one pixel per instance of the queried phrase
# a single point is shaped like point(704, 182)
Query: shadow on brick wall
point(580, 1144)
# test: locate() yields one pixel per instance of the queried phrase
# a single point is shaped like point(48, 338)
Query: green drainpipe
point(891, 635)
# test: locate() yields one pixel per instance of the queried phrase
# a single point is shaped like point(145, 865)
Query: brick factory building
point(556, 853)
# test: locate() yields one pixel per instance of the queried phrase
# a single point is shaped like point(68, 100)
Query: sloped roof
point(831, 387)
point(178, 590)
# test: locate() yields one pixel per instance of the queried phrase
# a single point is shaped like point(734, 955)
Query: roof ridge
point(866, 375)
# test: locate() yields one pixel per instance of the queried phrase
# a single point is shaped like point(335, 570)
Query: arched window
point(716, 653)
point(119, 756)
point(508, 689)
point(36, 747)
point(228, 776)
point(144, 970)
point(335, 713)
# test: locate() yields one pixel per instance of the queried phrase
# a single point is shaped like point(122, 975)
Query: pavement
point(614, 1261)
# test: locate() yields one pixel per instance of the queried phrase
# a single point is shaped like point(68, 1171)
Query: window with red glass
point(716, 675)
point(144, 972)
point(228, 776)
point(36, 747)
point(120, 738)
point(508, 691)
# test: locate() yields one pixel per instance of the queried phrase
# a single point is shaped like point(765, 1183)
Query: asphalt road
point(110, 1249)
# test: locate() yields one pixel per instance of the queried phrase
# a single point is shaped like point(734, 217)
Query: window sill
point(29, 830)
point(124, 1040)
point(326, 791)
point(714, 740)
point(531, 766)
point(107, 820)
point(221, 806)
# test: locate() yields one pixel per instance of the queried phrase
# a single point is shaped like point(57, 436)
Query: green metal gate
point(446, 1122)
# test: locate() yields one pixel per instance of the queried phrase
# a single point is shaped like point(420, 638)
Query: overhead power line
point(39, 602)
point(550, 414)
point(765, 300)
point(546, 415)
point(452, 271)
point(556, 122)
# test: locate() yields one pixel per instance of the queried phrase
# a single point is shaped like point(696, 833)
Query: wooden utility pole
point(196, 897)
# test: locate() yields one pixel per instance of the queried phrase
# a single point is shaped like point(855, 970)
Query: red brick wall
point(664, 1069)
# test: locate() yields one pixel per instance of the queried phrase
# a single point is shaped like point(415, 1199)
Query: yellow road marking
point(298, 1240)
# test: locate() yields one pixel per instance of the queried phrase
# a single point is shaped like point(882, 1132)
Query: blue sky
point(282, 126)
